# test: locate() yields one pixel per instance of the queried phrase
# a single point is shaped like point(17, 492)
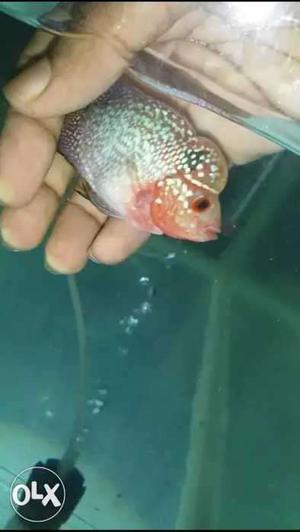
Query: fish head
point(185, 211)
point(186, 204)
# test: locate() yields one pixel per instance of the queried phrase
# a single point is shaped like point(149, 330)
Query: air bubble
point(123, 351)
point(132, 321)
point(95, 402)
point(171, 256)
point(169, 259)
point(102, 391)
point(146, 307)
point(98, 403)
point(45, 398)
point(144, 281)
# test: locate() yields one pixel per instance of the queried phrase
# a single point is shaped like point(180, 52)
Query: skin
point(60, 75)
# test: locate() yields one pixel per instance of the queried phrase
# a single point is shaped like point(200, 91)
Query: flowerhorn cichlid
point(142, 160)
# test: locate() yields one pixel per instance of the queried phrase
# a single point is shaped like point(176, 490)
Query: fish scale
point(103, 144)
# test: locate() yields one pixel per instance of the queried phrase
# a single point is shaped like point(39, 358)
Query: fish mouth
point(208, 234)
point(213, 230)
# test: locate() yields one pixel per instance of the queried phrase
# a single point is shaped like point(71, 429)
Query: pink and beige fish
point(143, 161)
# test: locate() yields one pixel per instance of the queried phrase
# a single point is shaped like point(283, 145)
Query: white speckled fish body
point(126, 142)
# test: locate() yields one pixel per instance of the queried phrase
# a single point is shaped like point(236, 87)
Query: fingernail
point(5, 236)
point(93, 259)
point(30, 84)
point(51, 266)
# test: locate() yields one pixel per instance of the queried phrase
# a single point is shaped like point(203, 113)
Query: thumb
point(76, 70)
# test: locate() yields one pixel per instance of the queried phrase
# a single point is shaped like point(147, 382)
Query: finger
point(59, 175)
point(27, 149)
point(25, 227)
point(75, 230)
point(116, 241)
point(37, 46)
point(78, 70)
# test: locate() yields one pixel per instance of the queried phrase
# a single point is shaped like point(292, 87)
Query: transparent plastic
point(235, 59)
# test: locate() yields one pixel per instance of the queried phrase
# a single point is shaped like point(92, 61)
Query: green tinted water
point(200, 423)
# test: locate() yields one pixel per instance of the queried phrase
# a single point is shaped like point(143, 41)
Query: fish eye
point(200, 204)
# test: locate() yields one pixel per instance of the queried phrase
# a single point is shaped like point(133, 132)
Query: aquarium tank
point(169, 384)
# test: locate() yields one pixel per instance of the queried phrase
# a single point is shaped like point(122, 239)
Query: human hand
point(64, 74)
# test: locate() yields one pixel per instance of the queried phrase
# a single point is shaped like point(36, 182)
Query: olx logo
point(38, 501)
